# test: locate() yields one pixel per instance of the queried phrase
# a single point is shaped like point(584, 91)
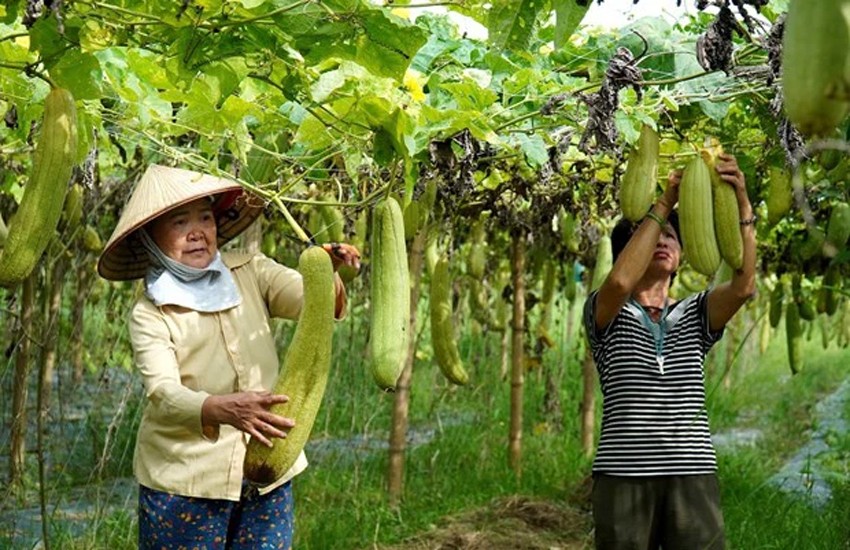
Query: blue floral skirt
point(171, 522)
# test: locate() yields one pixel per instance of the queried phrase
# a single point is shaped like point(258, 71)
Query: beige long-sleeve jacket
point(184, 356)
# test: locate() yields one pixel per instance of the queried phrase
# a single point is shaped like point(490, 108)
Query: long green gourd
point(390, 295)
point(696, 218)
point(442, 327)
point(4, 232)
point(637, 190)
point(837, 230)
point(794, 337)
point(604, 262)
point(34, 224)
point(727, 217)
point(815, 53)
point(305, 371)
point(775, 309)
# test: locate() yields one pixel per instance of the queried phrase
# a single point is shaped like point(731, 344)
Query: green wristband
point(658, 219)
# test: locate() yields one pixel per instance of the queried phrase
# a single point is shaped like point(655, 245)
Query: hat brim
point(124, 258)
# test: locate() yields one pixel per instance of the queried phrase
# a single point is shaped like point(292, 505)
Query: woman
point(654, 474)
point(203, 343)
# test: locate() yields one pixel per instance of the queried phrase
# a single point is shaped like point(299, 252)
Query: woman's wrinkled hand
point(343, 254)
point(248, 412)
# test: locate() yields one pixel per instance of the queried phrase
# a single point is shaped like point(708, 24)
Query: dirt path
point(808, 472)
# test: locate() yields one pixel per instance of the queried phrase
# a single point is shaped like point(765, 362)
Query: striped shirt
point(654, 420)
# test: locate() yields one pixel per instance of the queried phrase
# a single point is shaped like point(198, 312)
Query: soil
point(512, 523)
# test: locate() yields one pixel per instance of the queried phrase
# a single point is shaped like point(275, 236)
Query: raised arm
point(632, 262)
point(726, 299)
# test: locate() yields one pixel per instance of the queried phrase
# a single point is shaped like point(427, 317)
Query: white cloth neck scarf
point(168, 282)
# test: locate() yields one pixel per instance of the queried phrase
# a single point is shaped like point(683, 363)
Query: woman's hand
point(248, 412)
point(730, 172)
point(726, 299)
point(343, 254)
point(671, 193)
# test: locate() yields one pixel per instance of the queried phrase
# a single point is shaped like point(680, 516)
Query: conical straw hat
point(161, 189)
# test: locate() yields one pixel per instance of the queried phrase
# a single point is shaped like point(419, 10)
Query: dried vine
point(789, 137)
point(622, 72)
point(715, 47)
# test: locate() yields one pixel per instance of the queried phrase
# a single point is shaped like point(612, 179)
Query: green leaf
point(45, 38)
point(628, 126)
point(386, 46)
point(294, 112)
point(25, 94)
point(234, 110)
point(313, 133)
point(521, 81)
point(660, 45)
point(95, 37)
point(774, 9)
point(376, 110)
point(326, 85)
point(202, 114)
point(511, 22)
point(439, 124)
point(12, 51)
point(353, 160)
point(400, 127)
point(125, 71)
point(393, 33)
point(310, 25)
point(352, 80)
point(533, 149)
point(9, 11)
point(669, 102)
point(80, 73)
point(434, 48)
point(468, 95)
point(383, 150)
point(147, 66)
point(686, 66)
point(568, 16)
point(251, 4)
point(226, 75)
point(493, 179)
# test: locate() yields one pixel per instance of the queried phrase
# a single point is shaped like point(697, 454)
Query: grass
point(760, 516)
point(766, 397)
point(341, 500)
point(464, 468)
point(457, 476)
